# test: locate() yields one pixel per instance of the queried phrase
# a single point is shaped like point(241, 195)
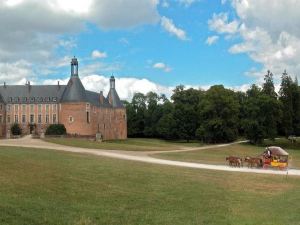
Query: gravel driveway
point(145, 157)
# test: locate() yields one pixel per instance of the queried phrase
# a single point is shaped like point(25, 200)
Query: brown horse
point(234, 161)
point(253, 161)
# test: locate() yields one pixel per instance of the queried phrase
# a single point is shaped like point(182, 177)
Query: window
point(54, 107)
point(39, 118)
point(23, 108)
point(71, 119)
point(54, 118)
point(31, 118)
point(0, 118)
point(31, 108)
point(16, 119)
point(47, 118)
point(40, 108)
point(88, 117)
point(1, 107)
point(88, 106)
point(8, 119)
point(16, 108)
point(8, 108)
point(47, 108)
point(23, 119)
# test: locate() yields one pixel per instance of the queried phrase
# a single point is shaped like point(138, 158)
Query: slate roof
point(45, 94)
point(94, 99)
point(24, 94)
point(74, 91)
point(113, 97)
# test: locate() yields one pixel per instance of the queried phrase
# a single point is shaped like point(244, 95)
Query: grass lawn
point(218, 155)
point(131, 144)
point(48, 187)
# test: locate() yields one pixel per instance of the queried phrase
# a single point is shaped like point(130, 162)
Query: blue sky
point(149, 45)
point(192, 61)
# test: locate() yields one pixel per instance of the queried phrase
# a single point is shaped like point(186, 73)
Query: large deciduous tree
point(185, 111)
point(218, 115)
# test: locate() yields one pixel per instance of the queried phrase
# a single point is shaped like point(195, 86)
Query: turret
point(74, 92)
point(112, 96)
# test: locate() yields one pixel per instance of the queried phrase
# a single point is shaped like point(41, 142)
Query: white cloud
point(162, 66)
point(110, 14)
point(170, 27)
point(220, 24)
point(33, 30)
point(165, 4)
point(13, 73)
point(212, 40)
point(187, 3)
point(124, 41)
point(269, 34)
point(126, 87)
point(96, 54)
point(68, 44)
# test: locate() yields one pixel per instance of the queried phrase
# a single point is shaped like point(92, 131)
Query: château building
point(83, 112)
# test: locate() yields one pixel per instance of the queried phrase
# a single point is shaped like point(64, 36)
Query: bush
point(16, 129)
point(56, 129)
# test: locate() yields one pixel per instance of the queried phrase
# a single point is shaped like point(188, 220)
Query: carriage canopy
point(277, 151)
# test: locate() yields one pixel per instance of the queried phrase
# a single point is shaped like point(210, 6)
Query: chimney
point(4, 84)
point(58, 85)
point(112, 82)
point(101, 97)
point(29, 86)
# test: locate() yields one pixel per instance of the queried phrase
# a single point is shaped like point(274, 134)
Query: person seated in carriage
point(268, 153)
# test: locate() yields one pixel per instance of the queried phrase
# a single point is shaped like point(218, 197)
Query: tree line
point(218, 114)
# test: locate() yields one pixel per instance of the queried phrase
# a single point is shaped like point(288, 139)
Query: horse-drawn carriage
point(272, 157)
point(275, 157)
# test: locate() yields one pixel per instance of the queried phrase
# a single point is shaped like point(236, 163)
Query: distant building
point(82, 112)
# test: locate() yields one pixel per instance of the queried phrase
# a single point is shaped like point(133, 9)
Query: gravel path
point(138, 156)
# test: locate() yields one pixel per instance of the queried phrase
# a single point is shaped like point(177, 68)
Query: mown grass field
point(218, 155)
point(49, 187)
point(131, 144)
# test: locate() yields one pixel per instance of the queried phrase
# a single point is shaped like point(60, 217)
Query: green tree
point(296, 107)
point(166, 126)
point(253, 121)
point(136, 115)
point(262, 115)
point(218, 110)
point(56, 129)
point(268, 86)
point(16, 129)
point(185, 111)
point(286, 95)
point(152, 114)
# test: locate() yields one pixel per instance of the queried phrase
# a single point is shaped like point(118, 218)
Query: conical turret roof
point(74, 91)
point(113, 96)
